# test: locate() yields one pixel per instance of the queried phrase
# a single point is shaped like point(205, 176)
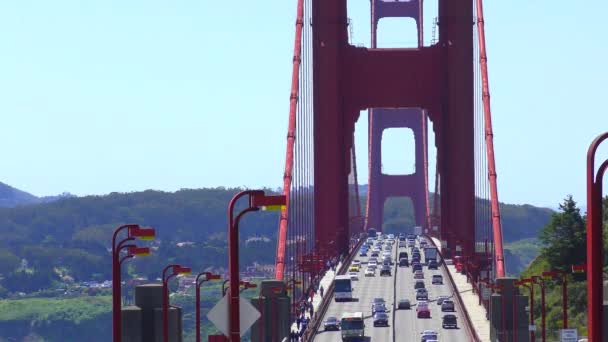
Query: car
point(402, 244)
point(385, 271)
point(356, 262)
point(403, 255)
point(363, 253)
point(380, 307)
point(386, 254)
point(423, 243)
point(449, 321)
point(440, 299)
point(433, 264)
point(372, 264)
point(403, 262)
point(428, 336)
point(418, 275)
point(354, 268)
point(354, 275)
point(374, 253)
point(380, 319)
point(387, 260)
point(378, 300)
point(404, 304)
point(422, 294)
point(370, 271)
point(422, 310)
point(331, 323)
point(448, 305)
point(391, 236)
point(416, 266)
point(437, 279)
point(419, 284)
point(388, 248)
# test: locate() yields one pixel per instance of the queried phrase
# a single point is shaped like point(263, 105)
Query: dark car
point(448, 305)
point(377, 301)
point(437, 279)
point(440, 299)
point(331, 323)
point(403, 262)
point(419, 284)
point(416, 267)
point(404, 304)
point(380, 307)
point(380, 319)
point(403, 255)
point(385, 271)
point(433, 264)
point(449, 321)
point(422, 294)
point(374, 254)
point(415, 258)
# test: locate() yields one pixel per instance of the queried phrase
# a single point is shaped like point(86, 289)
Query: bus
point(343, 290)
point(371, 232)
point(352, 326)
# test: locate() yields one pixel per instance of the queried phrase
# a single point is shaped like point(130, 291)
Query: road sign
point(219, 315)
point(569, 335)
point(532, 327)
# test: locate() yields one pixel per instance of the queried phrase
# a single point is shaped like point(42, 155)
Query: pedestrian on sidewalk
point(321, 290)
point(298, 322)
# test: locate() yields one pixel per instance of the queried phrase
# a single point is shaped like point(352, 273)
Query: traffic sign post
point(219, 316)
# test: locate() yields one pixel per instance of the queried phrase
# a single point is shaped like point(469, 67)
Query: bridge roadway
point(407, 327)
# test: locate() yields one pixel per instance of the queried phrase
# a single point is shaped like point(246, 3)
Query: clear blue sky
point(102, 96)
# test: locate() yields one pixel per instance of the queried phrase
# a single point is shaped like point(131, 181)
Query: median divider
point(469, 324)
point(315, 322)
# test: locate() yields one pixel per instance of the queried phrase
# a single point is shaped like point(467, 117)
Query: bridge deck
point(404, 325)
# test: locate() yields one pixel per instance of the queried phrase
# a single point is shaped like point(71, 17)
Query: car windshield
point(343, 286)
point(332, 320)
point(381, 315)
point(378, 300)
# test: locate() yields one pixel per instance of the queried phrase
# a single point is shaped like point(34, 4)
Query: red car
point(422, 310)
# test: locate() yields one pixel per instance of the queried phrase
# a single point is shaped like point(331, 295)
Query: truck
point(352, 326)
point(343, 290)
point(430, 253)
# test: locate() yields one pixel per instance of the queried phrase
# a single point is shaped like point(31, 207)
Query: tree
point(564, 237)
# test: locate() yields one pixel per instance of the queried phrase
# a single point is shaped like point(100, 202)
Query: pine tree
point(564, 237)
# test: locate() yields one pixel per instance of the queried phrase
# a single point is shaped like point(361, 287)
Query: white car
point(402, 244)
point(370, 272)
point(372, 264)
point(354, 275)
point(356, 262)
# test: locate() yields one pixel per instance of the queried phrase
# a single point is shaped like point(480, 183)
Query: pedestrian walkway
point(317, 300)
point(476, 312)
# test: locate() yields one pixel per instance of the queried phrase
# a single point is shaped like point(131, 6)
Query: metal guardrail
point(310, 333)
point(469, 324)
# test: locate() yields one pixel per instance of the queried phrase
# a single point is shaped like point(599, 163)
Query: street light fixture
point(134, 231)
point(541, 282)
point(257, 200)
point(527, 282)
point(176, 270)
point(561, 274)
point(208, 276)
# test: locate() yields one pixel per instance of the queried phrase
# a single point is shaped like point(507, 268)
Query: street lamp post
point(134, 231)
point(257, 200)
point(175, 271)
point(527, 282)
point(595, 248)
point(132, 252)
point(556, 274)
point(538, 280)
point(208, 276)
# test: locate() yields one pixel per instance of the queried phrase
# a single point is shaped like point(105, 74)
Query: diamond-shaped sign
point(219, 315)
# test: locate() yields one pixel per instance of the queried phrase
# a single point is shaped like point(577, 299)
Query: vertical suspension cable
point(489, 138)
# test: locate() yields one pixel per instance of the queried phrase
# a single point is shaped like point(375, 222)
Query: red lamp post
point(198, 283)
point(562, 274)
point(257, 200)
point(134, 231)
point(595, 248)
point(175, 271)
point(538, 280)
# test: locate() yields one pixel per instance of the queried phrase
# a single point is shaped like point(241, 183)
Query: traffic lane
point(365, 290)
point(408, 326)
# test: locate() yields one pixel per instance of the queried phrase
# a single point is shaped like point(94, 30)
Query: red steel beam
point(496, 224)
